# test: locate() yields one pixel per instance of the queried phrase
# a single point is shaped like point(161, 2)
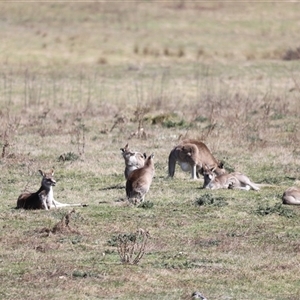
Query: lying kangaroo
point(43, 198)
point(139, 181)
point(133, 160)
point(192, 155)
point(291, 196)
point(233, 180)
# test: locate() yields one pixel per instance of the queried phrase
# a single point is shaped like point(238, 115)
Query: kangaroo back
point(291, 196)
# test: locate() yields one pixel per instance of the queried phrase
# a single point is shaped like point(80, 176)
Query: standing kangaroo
point(192, 155)
point(43, 198)
point(133, 160)
point(233, 180)
point(139, 181)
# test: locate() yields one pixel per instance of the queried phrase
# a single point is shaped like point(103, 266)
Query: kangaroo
point(139, 181)
point(192, 155)
point(133, 160)
point(291, 196)
point(43, 198)
point(198, 295)
point(233, 180)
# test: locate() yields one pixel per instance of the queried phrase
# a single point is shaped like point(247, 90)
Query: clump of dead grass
point(139, 117)
point(62, 227)
point(10, 126)
point(292, 54)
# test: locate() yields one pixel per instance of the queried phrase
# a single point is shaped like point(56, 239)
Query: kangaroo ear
point(52, 172)
point(145, 155)
point(152, 155)
point(210, 168)
point(125, 148)
point(42, 173)
point(221, 164)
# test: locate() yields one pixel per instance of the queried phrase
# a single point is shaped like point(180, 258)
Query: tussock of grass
point(69, 156)
point(210, 199)
point(146, 205)
point(279, 209)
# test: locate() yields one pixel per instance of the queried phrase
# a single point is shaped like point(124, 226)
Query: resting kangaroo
point(139, 181)
point(233, 180)
point(192, 155)
point(291, 196)
point(133, 160)
point(43, 198)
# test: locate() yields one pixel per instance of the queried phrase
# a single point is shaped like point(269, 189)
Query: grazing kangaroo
point(233, 180)
point(43, 198)
point(192, 155)
point(133, 160)
point(139, 181)
point(291, 196)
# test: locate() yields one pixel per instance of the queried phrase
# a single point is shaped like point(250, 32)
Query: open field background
point(78, 80)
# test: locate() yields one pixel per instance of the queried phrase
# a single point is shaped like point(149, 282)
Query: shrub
point(209, 199)
point(70, 156)
point(266, 209)
point(131, 246)
point(146, 205)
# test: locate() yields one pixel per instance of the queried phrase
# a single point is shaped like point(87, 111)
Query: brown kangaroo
point(233, 180)
point(139, 181)
point(291, 196)
point(192, 155)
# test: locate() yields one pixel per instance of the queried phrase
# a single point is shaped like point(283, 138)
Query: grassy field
point(78, 81)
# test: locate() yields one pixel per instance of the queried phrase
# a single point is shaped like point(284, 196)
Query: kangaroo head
point(209, 172)
point(149, 160)
point(133, 157)
point(209, 175)
point(125, 150)
point(48, 179)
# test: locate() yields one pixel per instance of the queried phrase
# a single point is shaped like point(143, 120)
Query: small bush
point(79, 274)
point(83, 274)
point(172, 124)
point(266, 209)
point(146, 205)
point(201, 119)
point(70, 156)
point(131, 247)
point(209, 199)
point(292, 54)
point(113, 241)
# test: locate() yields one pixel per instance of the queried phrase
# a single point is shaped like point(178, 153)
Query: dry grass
point(80, 80)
